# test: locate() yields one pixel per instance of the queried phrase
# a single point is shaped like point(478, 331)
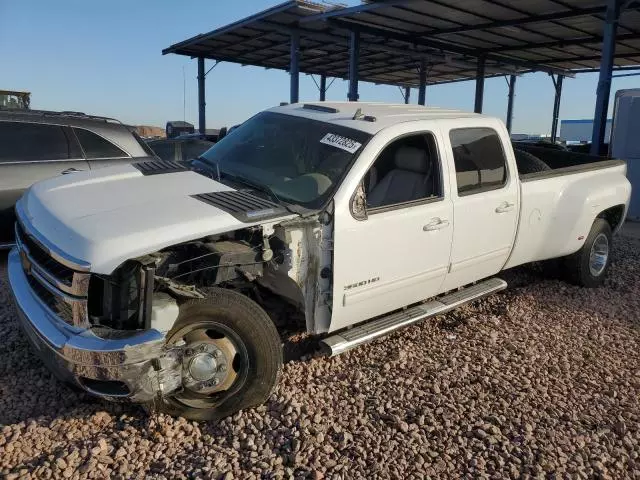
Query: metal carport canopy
point(264, 40)
point(418, 42)
point(535, 35)
point(563, 34)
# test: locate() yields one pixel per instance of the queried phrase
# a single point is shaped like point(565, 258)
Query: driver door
point(398, 254)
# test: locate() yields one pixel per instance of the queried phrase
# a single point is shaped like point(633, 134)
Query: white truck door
point(485, 193)
point(399, 253)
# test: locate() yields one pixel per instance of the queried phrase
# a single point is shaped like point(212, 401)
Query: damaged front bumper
point(136, 366)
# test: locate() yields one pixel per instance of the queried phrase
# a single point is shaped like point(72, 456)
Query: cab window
point(406, 172)
point(479, 159)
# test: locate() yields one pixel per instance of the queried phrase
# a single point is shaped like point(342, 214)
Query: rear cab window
point(194, 148)
point(164, 149)
point(480, 161)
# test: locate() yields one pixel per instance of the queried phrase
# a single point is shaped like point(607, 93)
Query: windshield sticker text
point(343, 143)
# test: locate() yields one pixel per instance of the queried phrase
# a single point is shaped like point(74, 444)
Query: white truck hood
point(107, 216)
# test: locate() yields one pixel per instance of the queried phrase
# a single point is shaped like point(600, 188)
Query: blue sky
point(104, 57)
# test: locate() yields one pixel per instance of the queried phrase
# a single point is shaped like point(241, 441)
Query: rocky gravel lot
point(540, 381)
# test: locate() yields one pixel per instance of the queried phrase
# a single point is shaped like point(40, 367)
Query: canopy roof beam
point(369, 7)
point(446, 47)
point(593, 40)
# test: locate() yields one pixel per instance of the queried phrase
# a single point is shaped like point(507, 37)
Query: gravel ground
point(540, 380)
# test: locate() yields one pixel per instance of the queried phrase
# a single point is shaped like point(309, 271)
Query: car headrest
point(412, 159)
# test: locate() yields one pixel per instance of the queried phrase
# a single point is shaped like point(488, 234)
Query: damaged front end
point(108, 334)
point(88, 329)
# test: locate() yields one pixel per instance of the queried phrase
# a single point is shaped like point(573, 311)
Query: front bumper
point(138, 367)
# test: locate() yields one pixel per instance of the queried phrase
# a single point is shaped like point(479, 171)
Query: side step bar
point(348, 339)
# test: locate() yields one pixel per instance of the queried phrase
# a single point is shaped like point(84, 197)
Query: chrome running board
point(348, 339)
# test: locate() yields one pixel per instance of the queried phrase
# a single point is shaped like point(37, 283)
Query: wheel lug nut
point(203, 348)
point(222, 368)
point(188, 352)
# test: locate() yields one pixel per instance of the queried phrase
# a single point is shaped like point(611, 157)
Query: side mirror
point(359, 204)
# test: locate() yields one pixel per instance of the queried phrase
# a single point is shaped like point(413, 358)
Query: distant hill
point(149, 131)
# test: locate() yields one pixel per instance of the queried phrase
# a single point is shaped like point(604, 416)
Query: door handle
point(70, 170)
point(504, 207)
point(436, 224)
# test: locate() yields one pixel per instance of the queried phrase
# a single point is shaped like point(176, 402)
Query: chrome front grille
point(59, 285)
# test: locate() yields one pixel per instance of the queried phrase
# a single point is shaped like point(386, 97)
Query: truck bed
point(563, 162)
point(558, 206)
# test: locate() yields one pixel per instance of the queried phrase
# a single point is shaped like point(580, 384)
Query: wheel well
point(613, 216)
point(283, 313)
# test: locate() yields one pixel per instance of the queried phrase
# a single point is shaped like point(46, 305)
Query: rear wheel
point(232, 356)
point(588, 267)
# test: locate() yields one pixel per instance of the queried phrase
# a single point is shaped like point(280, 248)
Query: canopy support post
point(354, 56)
point(202, 127)
point(512, 93)
point(294, 68)
point(479, 85)
point(612, 16)
point(323, 87)
point(556, 107)
point(422, 90)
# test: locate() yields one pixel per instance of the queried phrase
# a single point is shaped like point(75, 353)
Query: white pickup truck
point(165, 283)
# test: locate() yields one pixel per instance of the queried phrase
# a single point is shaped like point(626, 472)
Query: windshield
point(302, 161)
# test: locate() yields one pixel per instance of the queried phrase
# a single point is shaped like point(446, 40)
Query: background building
point(581, 130)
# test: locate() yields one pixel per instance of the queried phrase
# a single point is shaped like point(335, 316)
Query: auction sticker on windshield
point(343, 143)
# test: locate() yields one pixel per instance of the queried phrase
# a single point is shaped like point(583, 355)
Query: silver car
point(35, 145)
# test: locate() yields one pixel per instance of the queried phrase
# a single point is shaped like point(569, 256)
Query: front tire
point(233, 357)
point(588, 267)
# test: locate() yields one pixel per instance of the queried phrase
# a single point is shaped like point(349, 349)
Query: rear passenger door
point(485, 201)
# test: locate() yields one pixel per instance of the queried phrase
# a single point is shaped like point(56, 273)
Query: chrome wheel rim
point(215, 346)
point(599, 255)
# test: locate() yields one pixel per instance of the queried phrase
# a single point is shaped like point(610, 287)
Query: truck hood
point(106, 216)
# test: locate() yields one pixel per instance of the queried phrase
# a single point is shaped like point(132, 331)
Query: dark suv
point(36, 144)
